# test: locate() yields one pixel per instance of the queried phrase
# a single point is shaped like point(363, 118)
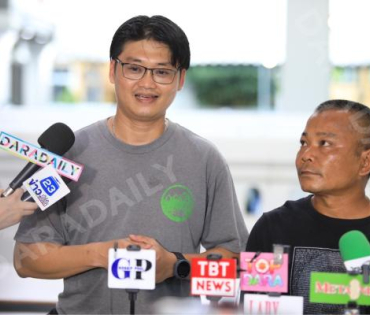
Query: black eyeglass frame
point(146, 69)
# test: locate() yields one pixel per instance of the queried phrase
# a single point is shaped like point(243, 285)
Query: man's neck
point(136, 133)
point(354, 206)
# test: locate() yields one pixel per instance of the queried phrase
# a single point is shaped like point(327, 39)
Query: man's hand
point(54, 261)
point(12, 208)
point(165, 260)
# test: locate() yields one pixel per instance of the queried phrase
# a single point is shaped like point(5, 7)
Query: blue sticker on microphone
point(50, 185)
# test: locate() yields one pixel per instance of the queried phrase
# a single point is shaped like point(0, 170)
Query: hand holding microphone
point(57, 139)
point(12, 209)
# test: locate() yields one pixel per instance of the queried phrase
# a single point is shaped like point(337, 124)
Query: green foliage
point(344, 74)
point(229, 85)
point(66, 96)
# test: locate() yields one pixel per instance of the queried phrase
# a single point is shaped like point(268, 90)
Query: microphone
point(27, 196)
point(57, 139)
point(355, 250)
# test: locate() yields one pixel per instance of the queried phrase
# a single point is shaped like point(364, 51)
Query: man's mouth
point(308, 172)
point(146, 96)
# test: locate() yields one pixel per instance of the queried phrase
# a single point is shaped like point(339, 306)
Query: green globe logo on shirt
point(177, 203)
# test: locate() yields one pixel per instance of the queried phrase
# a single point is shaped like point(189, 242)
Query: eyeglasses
point(132, 71)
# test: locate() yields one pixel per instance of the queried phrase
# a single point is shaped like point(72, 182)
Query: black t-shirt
point(314, 245)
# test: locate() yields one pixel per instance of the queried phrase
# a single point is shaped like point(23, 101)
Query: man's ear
point(182, 79)
point(365, 163)
point(112, 70)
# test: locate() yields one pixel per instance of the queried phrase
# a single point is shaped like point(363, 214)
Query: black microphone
point(57, 139)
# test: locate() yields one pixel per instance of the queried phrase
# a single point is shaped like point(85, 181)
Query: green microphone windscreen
point(353, 245)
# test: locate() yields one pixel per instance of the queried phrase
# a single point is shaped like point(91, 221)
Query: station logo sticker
point(177, 203)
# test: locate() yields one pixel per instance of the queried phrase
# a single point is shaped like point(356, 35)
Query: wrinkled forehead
point(332, 123)
point(340, 120)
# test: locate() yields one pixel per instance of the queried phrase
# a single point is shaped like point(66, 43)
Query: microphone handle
point(7, 192)
point(26, 197)
point(24, 174)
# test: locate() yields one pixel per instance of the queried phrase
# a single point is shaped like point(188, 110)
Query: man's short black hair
point(157, 28)
point(360, 119)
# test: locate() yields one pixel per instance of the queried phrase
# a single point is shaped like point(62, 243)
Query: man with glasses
point(147, 181)
point(135, 72)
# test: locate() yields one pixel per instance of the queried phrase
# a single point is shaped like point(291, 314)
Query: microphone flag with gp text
point(131, 269)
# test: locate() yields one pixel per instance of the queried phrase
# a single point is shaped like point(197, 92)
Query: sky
point(218, 31)
point(233, 31)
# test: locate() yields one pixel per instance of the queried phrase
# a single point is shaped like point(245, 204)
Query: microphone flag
point(260, 273)
point(258, 304)
point(40, 156)
point(338, 288)
point(46, 187)
point(131, 269)
point(213, 277)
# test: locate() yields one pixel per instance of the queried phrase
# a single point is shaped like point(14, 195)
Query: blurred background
point(258, 70)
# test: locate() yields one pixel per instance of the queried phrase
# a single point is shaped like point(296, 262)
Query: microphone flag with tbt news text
point(213, 277)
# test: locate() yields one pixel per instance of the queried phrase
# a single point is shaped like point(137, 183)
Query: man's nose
point(147, 80)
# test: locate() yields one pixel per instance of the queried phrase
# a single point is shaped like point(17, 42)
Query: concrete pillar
point(306, 71)
point(7, 42)
point(32, 87)
point(32, 73)
point(264, 88)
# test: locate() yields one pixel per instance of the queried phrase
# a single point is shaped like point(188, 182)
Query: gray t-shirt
point(177, 189)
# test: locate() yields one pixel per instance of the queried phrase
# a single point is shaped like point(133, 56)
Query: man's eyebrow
point(133, 59)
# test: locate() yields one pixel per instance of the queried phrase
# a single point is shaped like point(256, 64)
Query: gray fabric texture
point(177, 189)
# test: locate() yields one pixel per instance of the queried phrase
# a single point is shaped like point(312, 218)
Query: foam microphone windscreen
point(58, 138)
point(355, 249)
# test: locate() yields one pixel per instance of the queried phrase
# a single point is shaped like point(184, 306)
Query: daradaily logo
point(40, 156)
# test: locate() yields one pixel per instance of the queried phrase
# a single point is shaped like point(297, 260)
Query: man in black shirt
point(333, 164)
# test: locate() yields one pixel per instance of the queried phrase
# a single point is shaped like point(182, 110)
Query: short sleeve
point(43, 226)
point(224, 223)
point(260, 238)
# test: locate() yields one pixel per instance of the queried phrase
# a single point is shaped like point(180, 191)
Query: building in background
point(27, 63)
point(351, 82)
point(52, 55)
point(254, 64)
